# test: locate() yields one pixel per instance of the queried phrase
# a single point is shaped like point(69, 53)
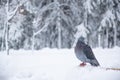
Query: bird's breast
point(80, 54)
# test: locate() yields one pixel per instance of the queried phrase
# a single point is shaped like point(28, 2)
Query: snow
point(57, 64)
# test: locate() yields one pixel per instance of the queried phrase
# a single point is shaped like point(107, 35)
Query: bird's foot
point(82, 64)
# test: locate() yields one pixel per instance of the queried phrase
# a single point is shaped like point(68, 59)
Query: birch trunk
point(7, 29)
point(33, 42)
point(99, 38)
point(107, 37)
point(58, 25)
point(59, 33)
point(115, 36)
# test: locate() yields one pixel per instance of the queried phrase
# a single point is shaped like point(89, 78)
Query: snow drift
point(57, 64)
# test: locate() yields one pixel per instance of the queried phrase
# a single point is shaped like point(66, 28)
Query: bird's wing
point(88, 52)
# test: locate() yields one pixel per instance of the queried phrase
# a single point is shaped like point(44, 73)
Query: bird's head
point(81, 39)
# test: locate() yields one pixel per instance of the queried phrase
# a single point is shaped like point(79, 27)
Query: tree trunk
point(59, 26)
point(86, 25)
point(33, 41)
point(107, 37)
point(59, 33)
point(4, 35)
point(115, 36)
point(99, 40)
point(7, 39)
point(7, 29)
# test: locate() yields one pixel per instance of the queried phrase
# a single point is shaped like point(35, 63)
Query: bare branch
point(41, 29)
point(12, 14)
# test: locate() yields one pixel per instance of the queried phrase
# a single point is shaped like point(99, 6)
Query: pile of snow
point(54, 64)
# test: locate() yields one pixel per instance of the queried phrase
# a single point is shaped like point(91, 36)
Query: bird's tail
point(94, 63)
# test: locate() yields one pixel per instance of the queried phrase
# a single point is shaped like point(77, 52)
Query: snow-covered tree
point(55, 21)
point(107, 22)
point(13, 31)
point(108, 25)
point(2, 27)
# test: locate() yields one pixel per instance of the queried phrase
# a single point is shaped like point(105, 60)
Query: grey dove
point(84, 53)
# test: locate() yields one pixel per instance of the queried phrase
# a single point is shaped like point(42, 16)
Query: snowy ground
point(54, 64)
